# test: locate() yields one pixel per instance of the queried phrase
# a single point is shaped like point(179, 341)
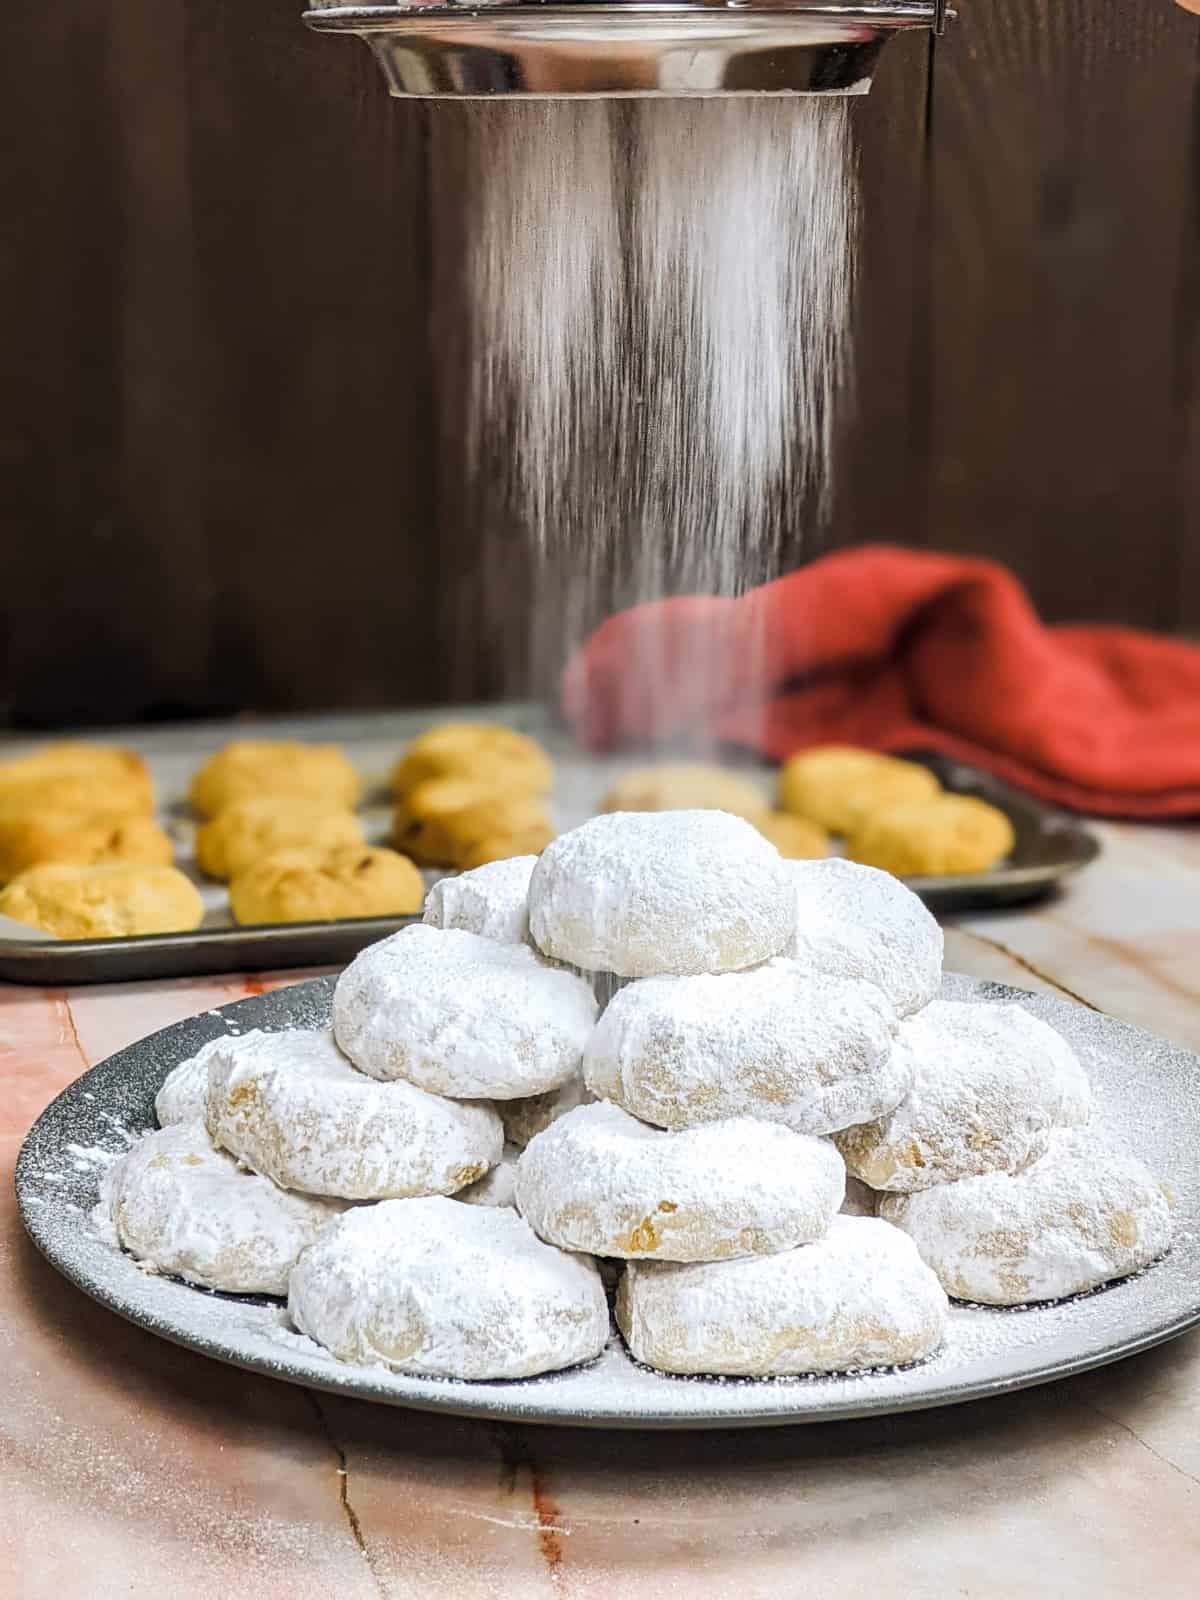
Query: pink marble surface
point(130, 1468)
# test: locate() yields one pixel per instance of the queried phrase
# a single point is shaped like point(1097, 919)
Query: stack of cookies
point(776, 1142)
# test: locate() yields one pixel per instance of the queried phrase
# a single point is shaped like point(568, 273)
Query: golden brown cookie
point(104, 902)
point(950, 834)
point(73, 776)
point(484, 752)
point(837, 785)
point(794, 837)
point(503, 846)
point(81, 838)
point(684, 786)
point(242, 834)
point(250, 768)
point(448, 820)
point(322, 885)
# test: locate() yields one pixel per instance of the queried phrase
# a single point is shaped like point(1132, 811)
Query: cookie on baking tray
point(324, 885)
point(250, 767)
point(103, 902)
point(838, 786)
point(71, 775)
point(460, 822)
point(80, 838)
point(794, 837)
point(951, 833)
point(241, 834)
point(484, 752)
point(684, 786)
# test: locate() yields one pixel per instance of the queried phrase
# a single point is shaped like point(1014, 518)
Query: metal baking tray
point(1144, 1098)
point(1049, 846)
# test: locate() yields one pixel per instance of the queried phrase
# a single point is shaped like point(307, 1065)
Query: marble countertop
point(131, 1468)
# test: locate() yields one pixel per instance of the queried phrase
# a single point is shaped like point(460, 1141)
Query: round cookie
point(796, 838)
point(462, 1016)
point(497, 1187)
point(182, 1207)
point(643, 893)
point(445, 820)
point(321, 885)
point(602, 1182)
point(84, 839)
point(184, 1091)
point(243, 833)
point(289, 1105)
point(74, 776)
point(953, 833)
point(856, 922)
point(684, 786)
point(1083, 1214)
point(859, 1297)
point(990, 1083)
point(524, 1119)
point(448, 1291)
point(482, 751)
point(251, 767)
point(492, 901)
point(103, 902)
point(503, 846)
point(839, 785)
point(776, 1043)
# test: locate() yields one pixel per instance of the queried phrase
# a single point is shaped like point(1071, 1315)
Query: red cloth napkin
point(905, 650)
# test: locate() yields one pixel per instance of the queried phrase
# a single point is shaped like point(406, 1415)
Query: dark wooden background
point(222, 250)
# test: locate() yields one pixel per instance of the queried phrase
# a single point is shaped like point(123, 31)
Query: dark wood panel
point(1062, 167)
point(222, 419)
point(880, 491)
point(97, 350)
point(310, 219)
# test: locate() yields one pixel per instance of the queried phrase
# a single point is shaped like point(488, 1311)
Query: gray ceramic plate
point(1146, 1092)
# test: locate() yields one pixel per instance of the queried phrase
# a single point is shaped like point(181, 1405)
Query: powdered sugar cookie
point(857, 922)
point(640, 893)
point(182, 1207)
point(462, 1016)
point(859, 1297)
point(523, 1119)
point(777, 1043)
point(184, 1090)
point(448, 1291)
point(1082, 1214)
point(497, 1187)
point(492, 901)
point(602, 1182)
point(291, 1106)
point(990, 1082)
